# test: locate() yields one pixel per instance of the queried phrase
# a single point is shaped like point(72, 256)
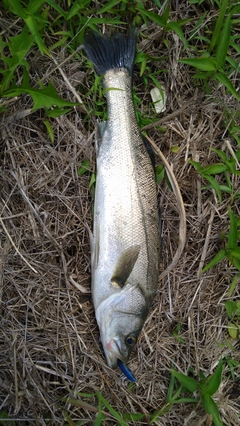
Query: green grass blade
point(213, 382)
point(196, 165)
point(217, 30)
point(110, 4)
point(57, 8)
point(184, 400)
point(223, 44)
point(159, 20)
point(233, 285)
point(133, 417)
point(218, 258)
point(170, 388)
point(227, 83)
point(236, 252)
point(178, 30)
point(212, 409)
point(111, 410)
point(49, 130)
point(215, 185)
point(232, 236)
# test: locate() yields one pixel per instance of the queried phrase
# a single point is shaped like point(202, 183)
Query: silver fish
point(125, 239)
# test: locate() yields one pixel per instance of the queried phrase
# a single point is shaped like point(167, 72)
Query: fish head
point(120, 318)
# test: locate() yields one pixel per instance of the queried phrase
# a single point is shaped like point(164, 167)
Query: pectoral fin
point(94, 247)
point(124, 265)
point(99, 132)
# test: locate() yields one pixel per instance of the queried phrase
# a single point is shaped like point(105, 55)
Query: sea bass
point(125, 240)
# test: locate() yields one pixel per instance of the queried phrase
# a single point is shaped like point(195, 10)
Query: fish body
point(125, 240)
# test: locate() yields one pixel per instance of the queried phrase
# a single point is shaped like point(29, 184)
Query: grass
point(187, 358)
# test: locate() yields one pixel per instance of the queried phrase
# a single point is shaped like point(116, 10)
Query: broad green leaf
point(223, 43)
point(232, 236)
point(17, 9)
point(189, 383)
point(225, 188)
point(212, 409)
point(233, 330)
point(19, 46)
point(204, 64)
point(56, 112)
point(42, 98)
point(231, 308)
point(218, 258)
point(33, 6)
point(227, 83)
point(32, 25)
point(213, 382)
point(214, 169)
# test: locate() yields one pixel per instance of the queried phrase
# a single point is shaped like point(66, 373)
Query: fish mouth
point(113, 353)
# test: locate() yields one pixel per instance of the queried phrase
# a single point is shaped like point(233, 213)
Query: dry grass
point(48, 333)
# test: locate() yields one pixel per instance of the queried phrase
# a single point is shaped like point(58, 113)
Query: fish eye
point(131, 340)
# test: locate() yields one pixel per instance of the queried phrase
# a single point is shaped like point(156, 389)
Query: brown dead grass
point(48, 333)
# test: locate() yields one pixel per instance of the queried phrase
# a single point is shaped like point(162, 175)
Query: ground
point(50, 351)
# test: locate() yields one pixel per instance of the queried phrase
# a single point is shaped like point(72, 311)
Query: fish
point(125, 242)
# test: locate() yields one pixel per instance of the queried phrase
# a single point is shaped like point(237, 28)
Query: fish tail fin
point(110, 53)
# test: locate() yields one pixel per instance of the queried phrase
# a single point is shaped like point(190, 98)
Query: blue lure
point(125, 370)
